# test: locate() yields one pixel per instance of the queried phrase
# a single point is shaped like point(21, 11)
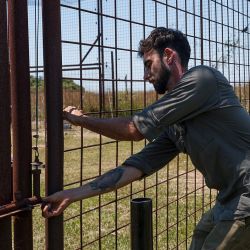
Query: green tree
point(67, 83)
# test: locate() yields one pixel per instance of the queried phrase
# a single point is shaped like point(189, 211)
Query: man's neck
point(177, 74)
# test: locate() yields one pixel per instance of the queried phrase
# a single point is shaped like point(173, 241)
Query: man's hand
point(73, 115)
point(55, 204)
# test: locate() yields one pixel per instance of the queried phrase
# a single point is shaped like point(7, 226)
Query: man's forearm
point(115, 128)
point(107, 182)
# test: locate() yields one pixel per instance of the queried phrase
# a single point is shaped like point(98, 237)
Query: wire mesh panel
point(103, 75)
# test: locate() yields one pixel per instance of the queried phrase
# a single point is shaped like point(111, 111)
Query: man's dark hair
point(161, 38)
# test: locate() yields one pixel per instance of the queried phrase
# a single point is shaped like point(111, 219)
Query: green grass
point(174, 205)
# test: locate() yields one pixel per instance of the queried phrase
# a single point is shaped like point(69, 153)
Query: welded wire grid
point(104, 76)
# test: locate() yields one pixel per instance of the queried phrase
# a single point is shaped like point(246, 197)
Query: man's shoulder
point(198, 75)
point(205, 73)
point(200, 70)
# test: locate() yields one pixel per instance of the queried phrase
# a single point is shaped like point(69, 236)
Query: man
point(199, 115)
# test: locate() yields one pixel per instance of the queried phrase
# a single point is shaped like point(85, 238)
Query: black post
point(141, 224)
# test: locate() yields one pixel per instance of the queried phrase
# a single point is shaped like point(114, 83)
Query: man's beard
point(162, 79)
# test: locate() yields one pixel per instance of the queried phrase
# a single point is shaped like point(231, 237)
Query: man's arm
point(112, 180)
point(116, 128)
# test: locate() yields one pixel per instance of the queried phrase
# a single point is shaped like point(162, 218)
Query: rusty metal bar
point(19, 206)
point(5, 145)
point(21, 118)
point(54, 121)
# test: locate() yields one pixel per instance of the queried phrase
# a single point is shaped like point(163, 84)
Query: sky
point(225, 45)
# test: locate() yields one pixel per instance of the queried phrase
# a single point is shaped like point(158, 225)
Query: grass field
point(179, 199)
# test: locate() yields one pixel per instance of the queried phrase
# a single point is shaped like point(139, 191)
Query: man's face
point(156, 72)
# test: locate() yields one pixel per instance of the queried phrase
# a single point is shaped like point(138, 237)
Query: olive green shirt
point(202, 117)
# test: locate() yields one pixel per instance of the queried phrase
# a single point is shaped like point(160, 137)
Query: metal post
point(5, 154)
point(201, 28)
point(141, 224)
point(21, 117)
point(54, 121)
point(113, 82)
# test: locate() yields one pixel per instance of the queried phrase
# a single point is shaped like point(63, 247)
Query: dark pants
point(224, 235)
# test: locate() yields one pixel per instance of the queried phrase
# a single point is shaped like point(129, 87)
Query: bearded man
point(200, 115)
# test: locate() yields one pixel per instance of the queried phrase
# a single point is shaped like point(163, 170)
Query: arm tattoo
point(108, 180)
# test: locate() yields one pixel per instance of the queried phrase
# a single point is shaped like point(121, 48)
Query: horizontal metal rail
point(19, 206)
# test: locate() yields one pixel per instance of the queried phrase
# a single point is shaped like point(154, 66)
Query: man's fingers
point(58, 211)
point(69, 110)
point(47, 211)
point(72, 110)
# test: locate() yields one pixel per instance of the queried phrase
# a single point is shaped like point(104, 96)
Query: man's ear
point(168, 55)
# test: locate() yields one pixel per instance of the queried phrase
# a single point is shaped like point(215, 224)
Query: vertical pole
point(101, 57)
point(201, 31)
point(21, 117)
point(54, 121)
point(5, 154)
point(141, 224)
point(248, 61)
point(113, 81)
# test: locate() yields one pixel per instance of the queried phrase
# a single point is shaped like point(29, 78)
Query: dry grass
point(122, 103)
